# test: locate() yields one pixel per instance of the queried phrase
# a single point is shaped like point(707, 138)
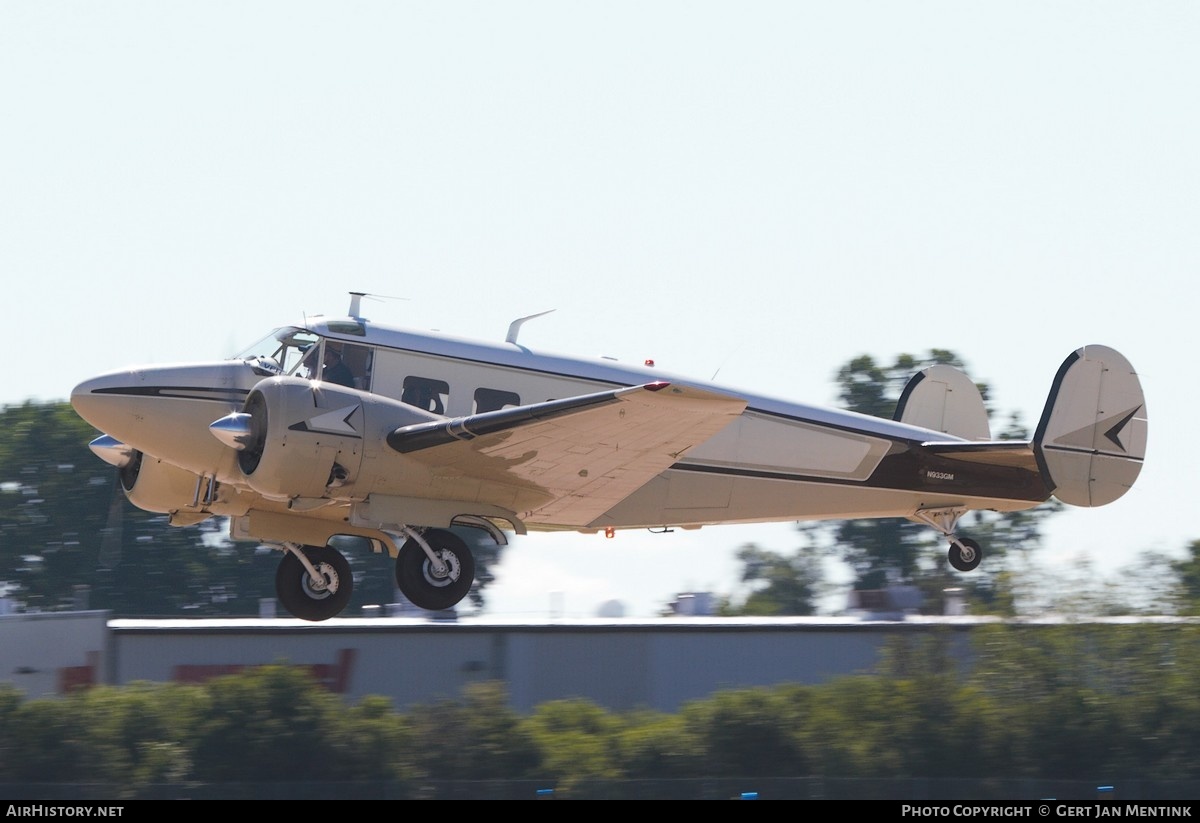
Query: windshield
point(280, 351)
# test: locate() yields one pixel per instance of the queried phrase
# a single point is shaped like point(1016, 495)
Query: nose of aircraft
point(167, 410)
point(94, 396)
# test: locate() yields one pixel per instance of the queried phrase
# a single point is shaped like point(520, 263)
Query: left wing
point(579, 456)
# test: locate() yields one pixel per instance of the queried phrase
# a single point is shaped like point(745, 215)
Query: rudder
point(1091, 440)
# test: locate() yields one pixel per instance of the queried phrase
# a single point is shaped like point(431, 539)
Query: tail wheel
point(427, 586)
point(310, 599)
point(965, 554)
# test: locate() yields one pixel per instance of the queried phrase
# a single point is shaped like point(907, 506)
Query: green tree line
point(1077, 702)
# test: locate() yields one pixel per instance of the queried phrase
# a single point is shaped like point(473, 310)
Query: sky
point(756, 192)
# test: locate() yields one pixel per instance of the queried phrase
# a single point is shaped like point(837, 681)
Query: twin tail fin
point(1089, 444)
point(1091, 440)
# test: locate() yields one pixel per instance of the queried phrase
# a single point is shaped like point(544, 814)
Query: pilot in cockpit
point(335, 370)
point(308, 362)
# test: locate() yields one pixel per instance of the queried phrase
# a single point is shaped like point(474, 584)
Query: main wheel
point(966, 557)
point(310, 599)
point(427, 587)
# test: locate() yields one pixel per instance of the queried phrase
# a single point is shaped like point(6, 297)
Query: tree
point(784, 585)
point(54, 504)
point(267, 720)
point(479, 737)
point(749, 731)
point(1188, 570)
point(578, 741)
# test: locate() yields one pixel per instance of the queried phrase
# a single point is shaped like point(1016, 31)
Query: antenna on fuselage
point(356, 302)
point(515, 326)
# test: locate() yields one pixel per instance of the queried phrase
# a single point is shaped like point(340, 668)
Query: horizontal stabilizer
point(1012, 454)
point(1091, 440)
point(944, 399)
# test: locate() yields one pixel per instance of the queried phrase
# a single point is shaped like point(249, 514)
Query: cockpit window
point(281, 350)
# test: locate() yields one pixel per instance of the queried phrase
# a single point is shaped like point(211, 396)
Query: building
point(617, 663)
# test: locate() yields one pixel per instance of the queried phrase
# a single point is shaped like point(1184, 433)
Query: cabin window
point(280, 351)
point(358, 359)
point(492, 399)
point(426, 393)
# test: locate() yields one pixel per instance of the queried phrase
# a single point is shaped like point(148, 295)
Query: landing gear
point(965, 554)
point(316, 590)
point(438, 574)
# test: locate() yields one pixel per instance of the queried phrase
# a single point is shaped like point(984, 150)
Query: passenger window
point(425, 393)
point(492, 399)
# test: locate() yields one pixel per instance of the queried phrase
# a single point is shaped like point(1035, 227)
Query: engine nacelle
point(307, 438)
point(155, 486)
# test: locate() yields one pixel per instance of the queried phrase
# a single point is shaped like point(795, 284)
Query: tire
point(295, 589)
point(968, 560)
point(418, 583)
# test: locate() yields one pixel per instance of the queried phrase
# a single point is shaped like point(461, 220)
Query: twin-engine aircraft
point(343, 426)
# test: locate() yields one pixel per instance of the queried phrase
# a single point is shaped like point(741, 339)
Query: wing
point(575, 458)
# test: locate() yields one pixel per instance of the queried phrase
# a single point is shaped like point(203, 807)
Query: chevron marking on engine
point(334, 422)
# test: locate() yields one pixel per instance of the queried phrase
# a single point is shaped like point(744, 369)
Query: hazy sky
point(758, 191)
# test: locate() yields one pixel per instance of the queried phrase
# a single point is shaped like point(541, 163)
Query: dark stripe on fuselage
point(913, 469)
point(178, 393)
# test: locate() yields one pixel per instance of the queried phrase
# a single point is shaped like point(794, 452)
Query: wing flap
point(570, 460)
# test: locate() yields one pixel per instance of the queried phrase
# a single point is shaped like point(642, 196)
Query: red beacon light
point(649, 362)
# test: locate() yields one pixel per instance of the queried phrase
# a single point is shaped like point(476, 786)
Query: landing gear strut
point(313, 582)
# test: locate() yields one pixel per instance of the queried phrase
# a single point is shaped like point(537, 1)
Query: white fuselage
point(777, 461)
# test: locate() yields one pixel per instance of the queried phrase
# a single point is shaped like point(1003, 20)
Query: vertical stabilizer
point(1091, 440)
point(944, 399)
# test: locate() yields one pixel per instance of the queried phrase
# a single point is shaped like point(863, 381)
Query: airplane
point(425, 433)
